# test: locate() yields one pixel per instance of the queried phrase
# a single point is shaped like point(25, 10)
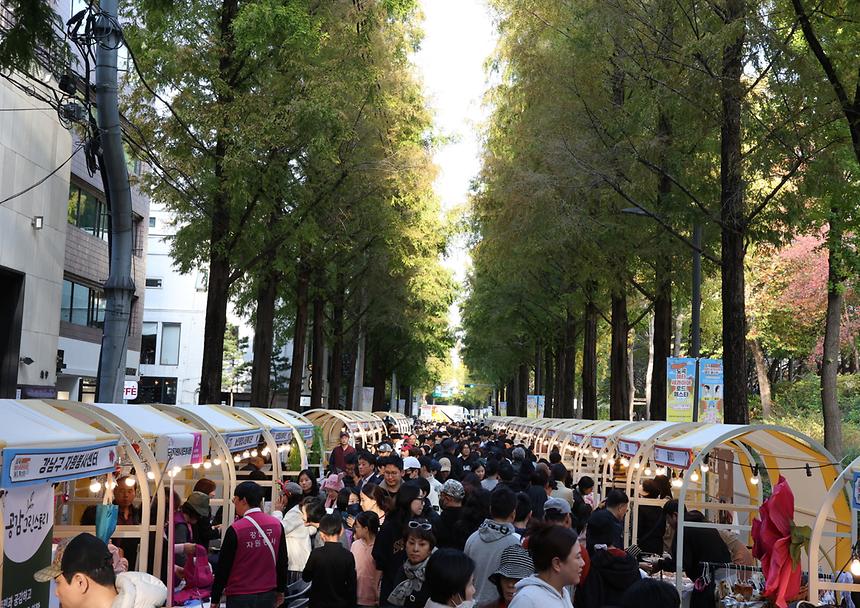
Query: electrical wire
point(44, 179)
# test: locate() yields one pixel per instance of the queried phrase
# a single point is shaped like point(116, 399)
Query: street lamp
point(696, 246)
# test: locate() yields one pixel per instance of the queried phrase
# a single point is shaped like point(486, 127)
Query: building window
point(82, 305)
point(87, 390)
point(156, 390)
point(148, 340)
point(152, 283)
point(170, 343)
point(87, 212)
point(151, 222)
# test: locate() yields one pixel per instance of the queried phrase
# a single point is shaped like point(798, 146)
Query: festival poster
point(711, 390)
point(681, 377)
point(503, 408)
point(28, 520)
point(531, 406)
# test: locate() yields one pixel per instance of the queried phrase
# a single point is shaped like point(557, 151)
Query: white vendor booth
point(303, 438)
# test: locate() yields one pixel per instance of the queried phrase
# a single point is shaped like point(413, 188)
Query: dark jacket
point(389, 555)
point(452, 533)
point(611, 573)
point(331, 568)
point(537, 496)
point(652, 526)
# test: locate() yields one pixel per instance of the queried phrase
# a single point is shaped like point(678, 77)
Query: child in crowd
point(331, 569)
point(365, 528)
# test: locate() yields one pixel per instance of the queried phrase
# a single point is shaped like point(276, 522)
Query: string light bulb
point(130, 481)
point(254, 453)
point(637, 465)
point(176, 469)
point(150, 475)
point(216, 462)
point(705, 466)
point(237, 459)
point(611, 462)
point(625, 463)
point(246, 454)
point(265, 451)
point(755, 478)
point(195, 465)
point(95, 486)
point(207, 464)
point(661, 470)
point(694, 476)
point(647, 471)
point(855, 566)
point(605, 456)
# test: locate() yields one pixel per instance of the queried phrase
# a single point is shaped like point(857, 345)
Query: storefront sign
point(236, 442)
point(679, 458)
point(282, 436)
point(28, 466)
point(28, 519)
point(681, 377)
point(598, 443)
point(307, 432)
point(179, 449)
point(628, 448)
point(711, 390)
point(578, 439)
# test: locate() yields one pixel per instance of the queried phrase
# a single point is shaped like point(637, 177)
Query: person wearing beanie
point(515, 564)
point(451, 498)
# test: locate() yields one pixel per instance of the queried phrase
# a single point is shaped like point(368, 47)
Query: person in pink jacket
point(365, 528)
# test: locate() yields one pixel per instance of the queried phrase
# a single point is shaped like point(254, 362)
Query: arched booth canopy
point(232, 440)
point(46, 456)
point(840, 504)
point(312, 456)
point(365, 430)
point(160, 445)
point(399, 421)
point(285, 438)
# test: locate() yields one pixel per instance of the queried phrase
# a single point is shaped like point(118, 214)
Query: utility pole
point(119, 287)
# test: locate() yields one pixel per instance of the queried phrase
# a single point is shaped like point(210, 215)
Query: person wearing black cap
point(337, 460)
point(84, 576)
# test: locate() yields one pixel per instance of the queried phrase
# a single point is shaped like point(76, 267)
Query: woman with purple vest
point(252, 568)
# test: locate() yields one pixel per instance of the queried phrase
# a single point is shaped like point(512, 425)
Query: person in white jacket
point(84, 577)
point(558, 561)
point(298, 536)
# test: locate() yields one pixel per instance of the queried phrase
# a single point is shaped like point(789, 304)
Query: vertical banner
point(28, 519)
point(680, 382)
point(541, 404)
point(503, 408)
point(531, 406)
point(710, 390)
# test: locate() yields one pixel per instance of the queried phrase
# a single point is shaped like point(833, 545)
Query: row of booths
point(61, 457)
point(366, 429)
point(725, 471)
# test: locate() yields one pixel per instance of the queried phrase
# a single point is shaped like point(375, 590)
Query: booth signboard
point(628, 448)
point(678, 458)
point(282, 435)
point(236, 442)
point(179, 449)
point(27, 466)
point(531, 406)
point(681, 377)
point(711, 390)
point(28, 520)
point(578, 439)
point(855, 494)
point(598, 443)
point(307, 432)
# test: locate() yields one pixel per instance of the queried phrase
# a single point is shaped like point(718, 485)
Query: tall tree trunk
point(511, 396)
point(318, 357)
point(558, 396)
point(569, 366)
point(835, 286)
point(337, 347)
point(378, 376)
point(678, 337)
point(662, 340)
point(539, 372)
point(297, 361)
point(523, 389)
point(763, 380)
point(732, 215)
point(619, 396)
point(589, 363)
point(350, 404)
point(549, 407)
point(264, 338)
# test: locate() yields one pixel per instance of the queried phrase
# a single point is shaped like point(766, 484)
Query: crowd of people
point(454, 516)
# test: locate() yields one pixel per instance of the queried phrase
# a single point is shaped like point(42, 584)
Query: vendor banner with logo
point(711, 386)
point(28, 519)
point(180, 449)
point(236, 442)
point(28, 466)
point(680, 389)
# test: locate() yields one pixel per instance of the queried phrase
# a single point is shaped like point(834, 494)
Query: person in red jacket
point(252, 567)
point(337, 460)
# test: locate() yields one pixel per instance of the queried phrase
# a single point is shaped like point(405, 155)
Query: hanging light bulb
point(625, 463)
point(637, 465)
point(855, 566)
point(647, 471)
point(176, 469)
point(595, 453)
point(677, 482)
point(195, 465)
point(95, 486)
point(150, 475)
point(237, 459)
point(694, 476)
point(207, 465)
point(611, 462)
point(216, 462)
point(661, 470)
point(246, 454)
point(265, 451)
point(110, 485)
point(171, 473)
point(705, 466)
point(755, 478)
point(130, 481)
point(605, 456)
point(254, 453)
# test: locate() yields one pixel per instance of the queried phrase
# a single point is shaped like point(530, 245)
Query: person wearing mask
point(485, 546)
point(700, 545)
point(558, 563)
point(366, 527)
point(450, 580)
point(309, 484)
point(491, 475)
point(330, 569)
point(411, 468)
point(85, 578)
point(410, 590)
point(388, 550)
point(514, 565)
point(337, 459)
point(367, 470)
point(251, 575)
point(332, 487)
point(296, 534)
